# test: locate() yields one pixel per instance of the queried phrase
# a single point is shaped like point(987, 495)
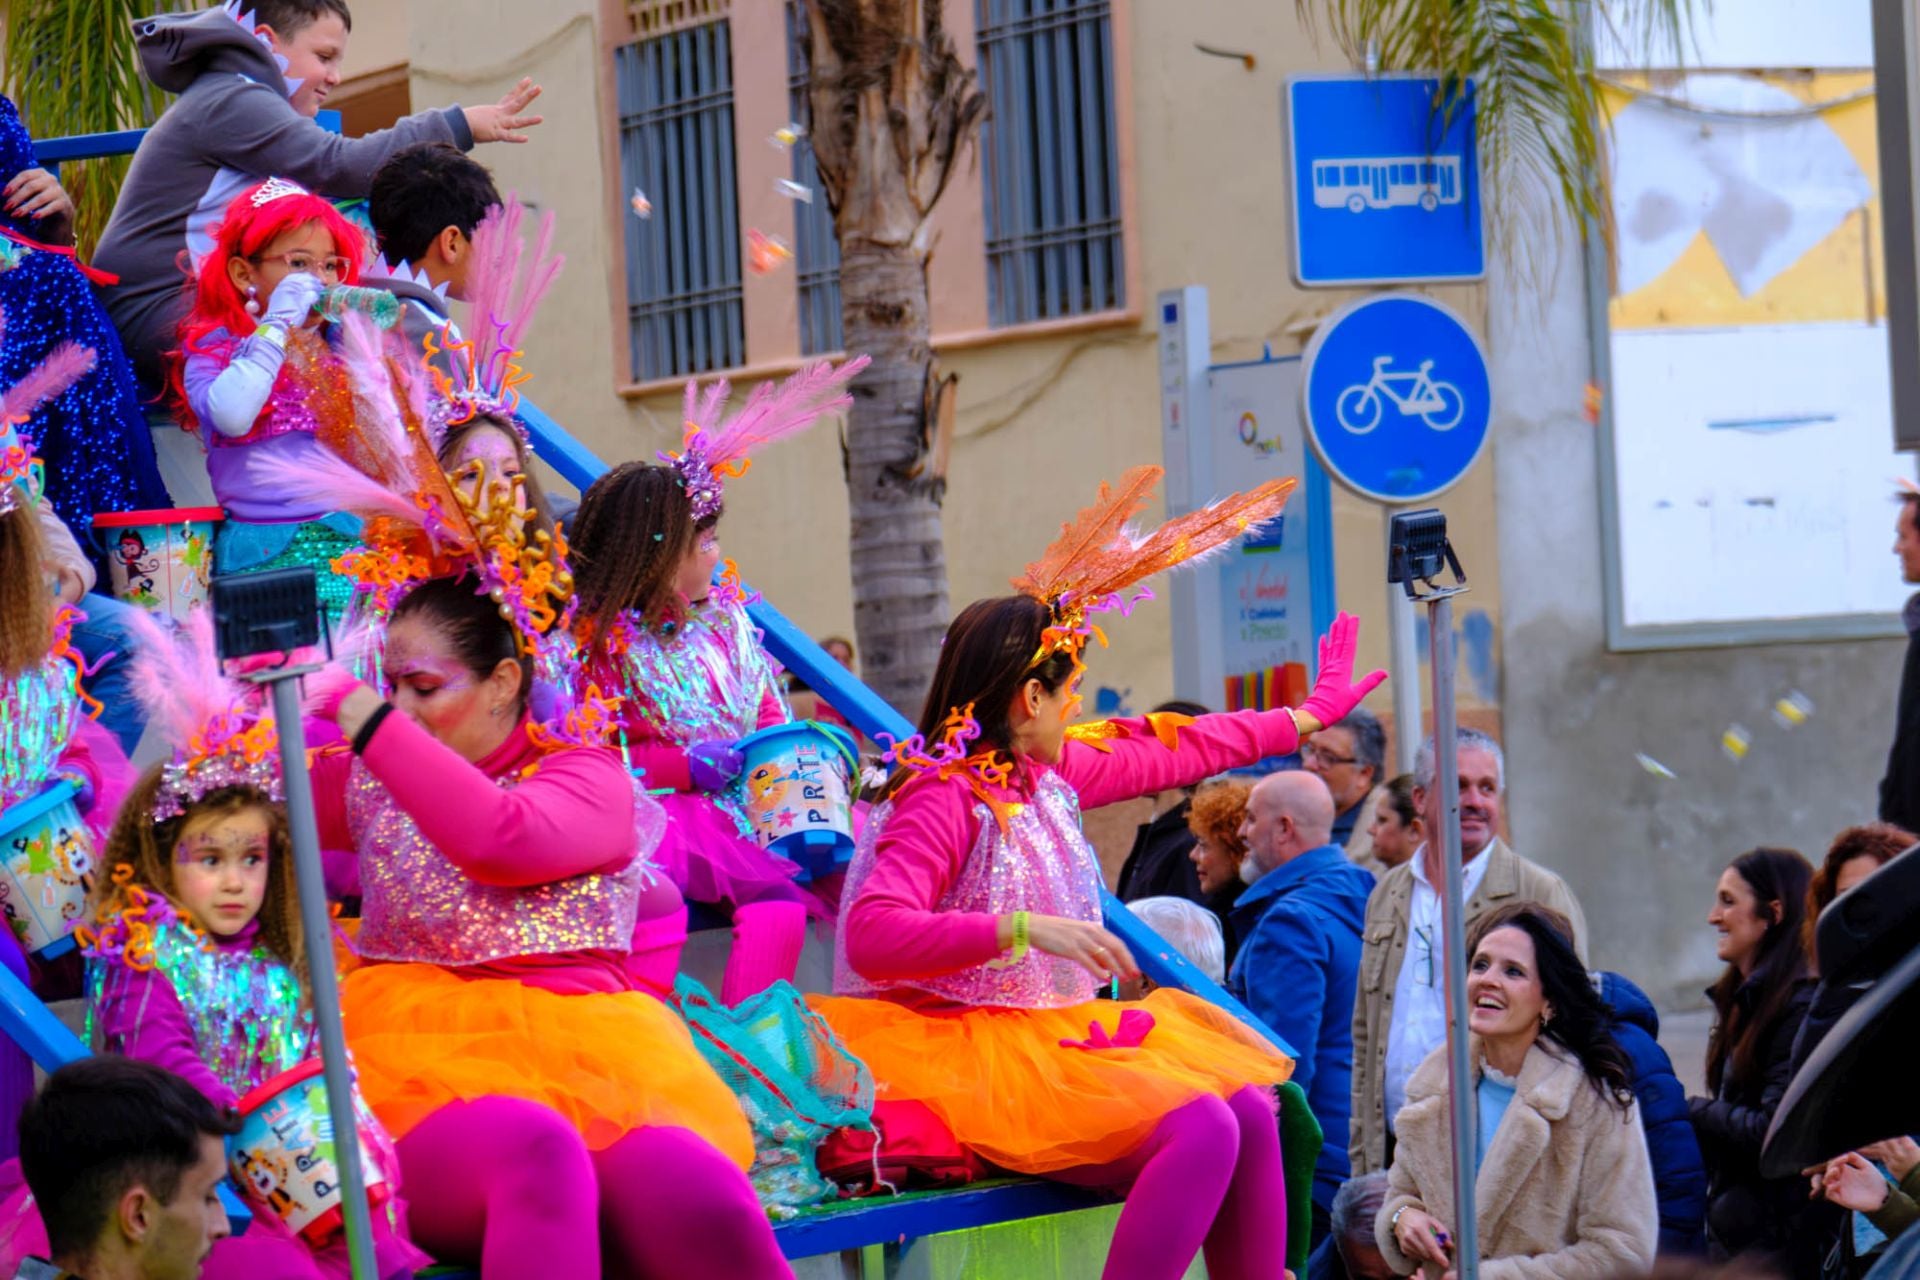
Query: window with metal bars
point(1052, 173)
point(684, 312)
point(816, 250)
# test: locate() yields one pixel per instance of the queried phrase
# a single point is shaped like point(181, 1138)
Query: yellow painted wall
point(1042, 419)
point(1840, 279)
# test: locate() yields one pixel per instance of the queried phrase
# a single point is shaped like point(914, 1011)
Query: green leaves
point(1539, 124)
point(70, 66)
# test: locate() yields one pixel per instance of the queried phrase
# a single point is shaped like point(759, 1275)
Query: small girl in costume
point(257, 377)
point(688, 661)
point(970, 943)
point(193, 939)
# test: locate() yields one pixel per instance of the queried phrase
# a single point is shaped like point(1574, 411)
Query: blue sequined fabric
point(94, 438)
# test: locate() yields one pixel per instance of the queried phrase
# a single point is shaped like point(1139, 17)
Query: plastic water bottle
point(377, 305)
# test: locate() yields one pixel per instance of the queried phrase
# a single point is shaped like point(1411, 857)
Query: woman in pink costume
point(553, 1118)
point(970, 943)
point(681, 650)
point(192, 936)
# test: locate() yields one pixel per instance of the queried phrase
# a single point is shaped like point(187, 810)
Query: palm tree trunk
point(892, 106)
point(899, 553)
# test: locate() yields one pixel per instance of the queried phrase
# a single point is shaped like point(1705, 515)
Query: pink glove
point(1129, 1033)
point(322, 691)
point(1334, 692)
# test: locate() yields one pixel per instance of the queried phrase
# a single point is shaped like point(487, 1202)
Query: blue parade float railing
point(857, 1224)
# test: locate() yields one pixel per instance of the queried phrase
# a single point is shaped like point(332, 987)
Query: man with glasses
point(1400, 1014)
point(1348, 757)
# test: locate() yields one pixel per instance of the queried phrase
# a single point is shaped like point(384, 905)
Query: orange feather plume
point(1098, 554)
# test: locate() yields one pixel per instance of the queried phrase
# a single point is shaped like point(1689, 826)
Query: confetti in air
point(642, 207)
point(1793, 710)
point(786, 135)
point(765, 253)
point(1735, 741)
point(1653, 766)
point(793, 190)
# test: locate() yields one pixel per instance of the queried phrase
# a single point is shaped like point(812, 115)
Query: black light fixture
point(1417, 550)
point(276, 611)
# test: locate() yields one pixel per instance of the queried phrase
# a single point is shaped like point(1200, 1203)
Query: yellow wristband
point(1022, 942)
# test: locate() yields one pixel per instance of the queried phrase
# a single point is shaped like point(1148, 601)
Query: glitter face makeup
point(220, 868)
point(696, 575)
point(434, 689)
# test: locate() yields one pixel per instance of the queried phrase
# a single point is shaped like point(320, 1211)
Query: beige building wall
point(1044, 413)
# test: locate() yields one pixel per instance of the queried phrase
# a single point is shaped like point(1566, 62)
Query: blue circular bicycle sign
point(1397, 397)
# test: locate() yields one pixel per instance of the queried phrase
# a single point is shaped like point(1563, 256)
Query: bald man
point(1299, 960)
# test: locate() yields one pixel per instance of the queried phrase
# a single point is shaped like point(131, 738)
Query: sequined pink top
point(922, 912)
point(573, 816)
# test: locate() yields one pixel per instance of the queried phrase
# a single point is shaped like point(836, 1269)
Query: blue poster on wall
point(1386, 184)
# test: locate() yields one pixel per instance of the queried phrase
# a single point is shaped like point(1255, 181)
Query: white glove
point(293, 300)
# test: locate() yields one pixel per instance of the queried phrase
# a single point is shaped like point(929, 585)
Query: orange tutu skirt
point(1005, 1086)
point(423, 1037)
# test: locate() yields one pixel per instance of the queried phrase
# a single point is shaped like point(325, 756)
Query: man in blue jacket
point(1679, 1174)
point(1299, 961)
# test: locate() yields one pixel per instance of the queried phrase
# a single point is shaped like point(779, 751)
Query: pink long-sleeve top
point(894, 931)
point(137, 1012)
point(571, 816)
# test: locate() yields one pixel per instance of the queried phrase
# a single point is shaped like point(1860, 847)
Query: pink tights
point(510, 1185)
point(1208, 1178)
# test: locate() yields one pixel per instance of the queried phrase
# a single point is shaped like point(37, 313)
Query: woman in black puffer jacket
point(1760, 1002)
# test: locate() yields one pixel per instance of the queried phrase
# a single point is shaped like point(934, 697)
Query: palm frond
point(1538, 118)
point(70, 67)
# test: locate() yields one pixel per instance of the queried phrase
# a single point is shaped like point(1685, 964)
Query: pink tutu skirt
point(706, 856)
point(268, 1251)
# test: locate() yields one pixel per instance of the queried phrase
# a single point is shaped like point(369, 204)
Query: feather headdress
point(1099, 555)
point(221, 732)
point(504, 289)
point(714, 450)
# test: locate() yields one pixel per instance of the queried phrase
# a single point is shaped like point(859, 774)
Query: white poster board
point(1754, 471)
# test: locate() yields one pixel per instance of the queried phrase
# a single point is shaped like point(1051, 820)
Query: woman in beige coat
point(1564, 1188)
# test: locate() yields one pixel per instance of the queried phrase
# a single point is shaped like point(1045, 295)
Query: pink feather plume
point(501, 314)
point(176, 674)
point(64, 366)
point(771, 413)
point(324, 479)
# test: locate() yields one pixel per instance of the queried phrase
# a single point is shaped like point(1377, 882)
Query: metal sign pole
point(323, 984)
point(1403, 666)
point(1453, 932)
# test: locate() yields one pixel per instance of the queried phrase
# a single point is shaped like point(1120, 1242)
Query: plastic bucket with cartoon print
point(160, 560)
point(46, 868)
point(283, 1157)
point(798, 785)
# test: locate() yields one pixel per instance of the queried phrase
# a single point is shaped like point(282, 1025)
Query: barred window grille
point(684, 311)
point(816, 249)
point(1052, 175)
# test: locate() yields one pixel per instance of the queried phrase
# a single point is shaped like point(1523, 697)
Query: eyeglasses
point(301, 262)
point(1311, 754)
point(1423, 934)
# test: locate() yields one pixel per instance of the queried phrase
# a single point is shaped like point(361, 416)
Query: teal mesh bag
point(795, 1080)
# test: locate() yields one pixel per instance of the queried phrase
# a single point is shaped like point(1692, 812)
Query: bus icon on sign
point(1386, 182)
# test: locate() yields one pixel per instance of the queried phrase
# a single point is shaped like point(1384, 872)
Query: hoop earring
point(253, 299)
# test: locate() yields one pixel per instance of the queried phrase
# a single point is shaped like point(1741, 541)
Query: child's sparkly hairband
point(235, 749)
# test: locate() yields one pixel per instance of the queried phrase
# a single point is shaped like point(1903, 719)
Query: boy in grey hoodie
point(250, 80)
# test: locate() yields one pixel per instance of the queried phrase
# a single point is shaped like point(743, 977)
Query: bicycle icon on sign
point(1415, 395)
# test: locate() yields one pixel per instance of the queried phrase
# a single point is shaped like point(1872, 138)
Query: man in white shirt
point(1400, 1014)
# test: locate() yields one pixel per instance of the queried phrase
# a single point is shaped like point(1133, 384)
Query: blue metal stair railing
point(1159, 960)
point(579, 466)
